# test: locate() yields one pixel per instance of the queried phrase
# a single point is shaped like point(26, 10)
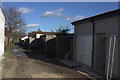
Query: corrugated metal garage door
point(84, 50)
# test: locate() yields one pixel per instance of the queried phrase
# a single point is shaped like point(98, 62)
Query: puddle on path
point(15, 50)
point(18, 54)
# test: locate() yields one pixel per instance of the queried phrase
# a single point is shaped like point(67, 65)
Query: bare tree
point(14, 20)
point(62, 30)
point(39, 30)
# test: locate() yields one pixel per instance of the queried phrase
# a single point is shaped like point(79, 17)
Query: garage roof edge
point(99, 16)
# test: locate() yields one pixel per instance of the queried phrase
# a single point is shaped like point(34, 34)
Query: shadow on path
point(39, 56)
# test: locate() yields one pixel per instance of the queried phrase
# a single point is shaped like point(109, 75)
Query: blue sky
point(50, 15)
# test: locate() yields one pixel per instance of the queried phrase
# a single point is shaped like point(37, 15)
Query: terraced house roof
point(45, 33)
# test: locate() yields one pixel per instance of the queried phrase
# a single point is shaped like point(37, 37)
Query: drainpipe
point(93, 42)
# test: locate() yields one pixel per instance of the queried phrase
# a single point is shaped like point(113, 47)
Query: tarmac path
point(28, 64)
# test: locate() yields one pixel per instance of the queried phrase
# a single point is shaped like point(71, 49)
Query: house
point(49, 35)
point(92, 40)
point(24, 40)
point(2, 27)
point(37, 35)
point(40, 39)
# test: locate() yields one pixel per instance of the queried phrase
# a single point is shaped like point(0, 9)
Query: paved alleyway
point(34, 65)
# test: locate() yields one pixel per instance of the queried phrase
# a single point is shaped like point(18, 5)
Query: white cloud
point(79, 17)
point(25, 10)
point(59, 13)
point(32, 25)
point(53, 13)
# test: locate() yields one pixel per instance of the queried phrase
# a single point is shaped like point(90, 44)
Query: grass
point(15, 40)
point(7, 54)
point(9, 49)
point(0, 64)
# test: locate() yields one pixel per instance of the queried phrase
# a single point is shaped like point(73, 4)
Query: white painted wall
point(24, 38)
point(48, 37)
point(107, 25)
point(38, 35)
point(2, 26)
point(83, 43)
point(110, 26)
point(85, 28)
point(31, 39)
